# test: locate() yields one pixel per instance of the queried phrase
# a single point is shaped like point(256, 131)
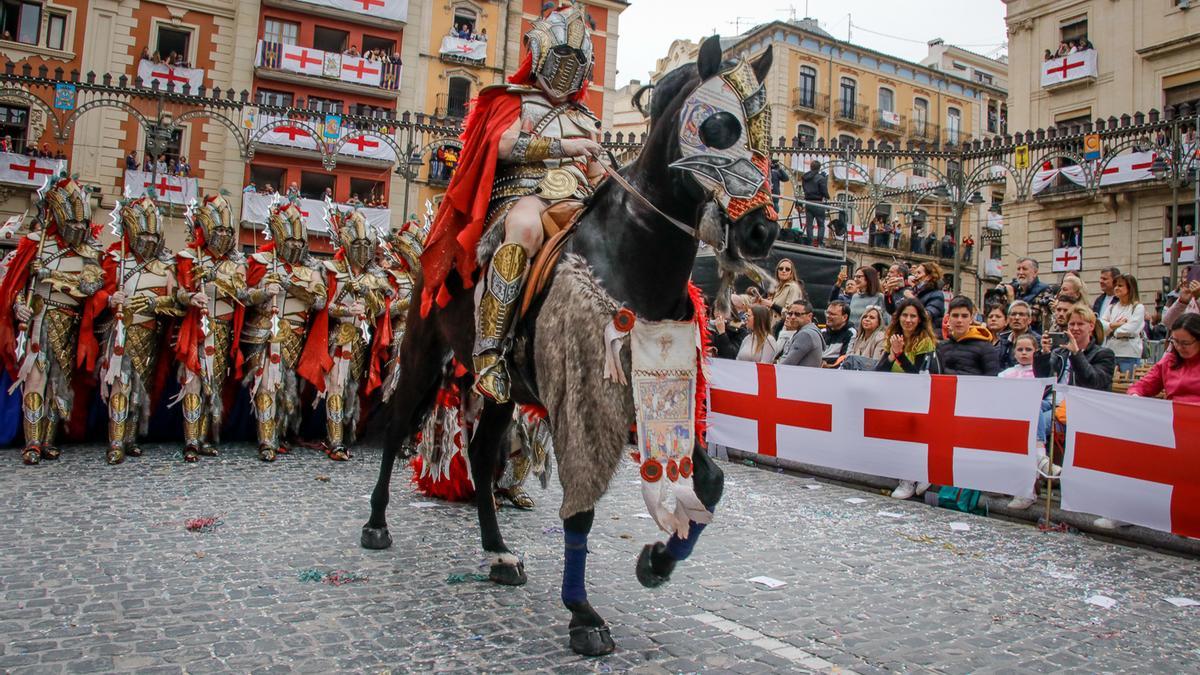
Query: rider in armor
point(46, 297)
point(531, 144)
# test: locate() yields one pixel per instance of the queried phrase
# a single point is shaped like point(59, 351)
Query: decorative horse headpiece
point(64, 206)
point(142, 223)
point(724, 138)
point(561, 47)
point(285, 224)
point(214, 220)
point(354, 234)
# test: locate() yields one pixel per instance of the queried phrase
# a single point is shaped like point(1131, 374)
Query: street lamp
point(409, 169)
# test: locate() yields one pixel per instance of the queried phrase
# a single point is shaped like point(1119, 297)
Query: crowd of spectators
point(7, 144)
point(442, 163)
point(906, 323)
point(375, 55)
point(464, 31)
point(372, 200)
point(173, 59)
point(164, 165)
point(1068, 47)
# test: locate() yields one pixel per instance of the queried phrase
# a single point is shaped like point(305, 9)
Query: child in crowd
point(1023, 352)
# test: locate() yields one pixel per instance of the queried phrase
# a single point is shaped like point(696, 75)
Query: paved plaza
point(100, 574)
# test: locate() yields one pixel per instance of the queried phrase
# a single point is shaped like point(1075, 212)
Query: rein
point(628, 187)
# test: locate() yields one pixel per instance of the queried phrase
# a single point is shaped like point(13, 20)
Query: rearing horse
point(701, 175)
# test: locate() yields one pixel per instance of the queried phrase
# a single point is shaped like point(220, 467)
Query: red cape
point(187, 347)
point(15, 281)
point(315, 361)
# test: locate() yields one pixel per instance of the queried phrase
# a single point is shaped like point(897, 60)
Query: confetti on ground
point(647, 516)
point(323, 479)
point(813, 486)
point(855, 500)
point(769, 582)
point(1101, 601)
point(203, 525)
point(1183, 602)
point(552, 530)
point(425, 505)
point(959, 527)
point(332, 577)
point(891, 514)
point(465, 577)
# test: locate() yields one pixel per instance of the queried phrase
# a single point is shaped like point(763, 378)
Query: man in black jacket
point(838, 334)
point(969, 349)
point(816, 189)
point(778, 175)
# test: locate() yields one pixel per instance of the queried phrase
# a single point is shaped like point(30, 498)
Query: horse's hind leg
point(657, 561)
point(589, 633)
point(507, 568)
point(421, 370)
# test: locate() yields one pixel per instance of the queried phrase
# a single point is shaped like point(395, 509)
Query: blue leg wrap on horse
point(680, 549)
point(574, 567)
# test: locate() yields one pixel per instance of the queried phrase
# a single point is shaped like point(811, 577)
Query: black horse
point(643, 261)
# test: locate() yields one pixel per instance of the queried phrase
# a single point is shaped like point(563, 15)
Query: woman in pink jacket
point(1177, 374)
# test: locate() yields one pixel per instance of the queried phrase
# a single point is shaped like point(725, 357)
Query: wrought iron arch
point(69, 124)
point(1026, 185)
point(28, 98)
point(234, 130)
point(430, 146)
point(975, 181)
point(253, 142)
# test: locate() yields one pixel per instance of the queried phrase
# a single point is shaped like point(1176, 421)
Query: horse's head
point(712, 123)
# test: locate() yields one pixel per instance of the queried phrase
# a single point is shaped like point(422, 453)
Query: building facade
point(1139, 56)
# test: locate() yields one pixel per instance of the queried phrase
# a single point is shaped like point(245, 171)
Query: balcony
point(810, 103)
point(256, 207)
point(1061, 72)
point(160, 75)
point(387, 13)
point(448, 107)
point(465, 52)
point(889, 122)
point(921, 129)
point(305, 65)
point(956, 137)
point(852, 114)
point(297, 137)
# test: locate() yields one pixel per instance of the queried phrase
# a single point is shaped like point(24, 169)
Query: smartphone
point(1058, 339)
point(1193, 273)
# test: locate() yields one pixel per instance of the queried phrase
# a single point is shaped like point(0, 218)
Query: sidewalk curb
point(1133, 535)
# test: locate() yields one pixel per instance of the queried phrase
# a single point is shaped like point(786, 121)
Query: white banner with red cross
point(393, 10)
point(167, 189)
point(1186, 247)
point(304, 60)
point(22, 170)
point(159, 75)
point(1068, 259)
point(1128, 168)
point(476, 50)
point(257, 206)
point(370, 146)
point(1133, 459)
point(969, 432)
point(1075, 66)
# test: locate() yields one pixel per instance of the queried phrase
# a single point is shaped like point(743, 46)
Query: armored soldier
point(544, 142)
point(274, 331)
point(212, 284)
point(359, 295)
point(46, 296)
point(139, 289)
point(402, 260)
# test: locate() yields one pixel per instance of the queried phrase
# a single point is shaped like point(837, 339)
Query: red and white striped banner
point(159, 75)
point(22, 170)
point(1133, 459)
point(971, 432)
point(167, 189)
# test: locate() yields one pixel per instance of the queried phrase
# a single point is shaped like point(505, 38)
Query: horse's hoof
point(375, 538)
point(592, 640)
point(646, 575)
point(507, 574)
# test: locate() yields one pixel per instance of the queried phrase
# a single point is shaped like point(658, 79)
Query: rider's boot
point(32, 412)
point(502, 290)
point(193, 430)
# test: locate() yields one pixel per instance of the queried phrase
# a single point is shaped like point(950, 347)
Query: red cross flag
point(1068, 259)
point(23, 170)
point(1070, 67)
point(302, 60)
point(1133, 459)
point(167, 189)
point(1186, 247)
point(971, 432)
point(361, 71)
point(1127, 168)
point(160, 75)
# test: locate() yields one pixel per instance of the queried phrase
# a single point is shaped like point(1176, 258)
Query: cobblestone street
point(100, 574)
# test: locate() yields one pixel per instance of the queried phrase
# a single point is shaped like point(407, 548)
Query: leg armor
point(193, 426)
point(118, 421)
point(49, 430)
point(264, 412)
point(33, 420)
point(497, 307)
point(335, 417)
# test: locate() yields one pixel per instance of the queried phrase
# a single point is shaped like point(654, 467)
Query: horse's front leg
point(657, 561)
point(589, 633)
point(492, 430)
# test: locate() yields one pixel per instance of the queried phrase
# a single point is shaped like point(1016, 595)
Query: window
point(846, 140)
point(1074, 29)
point(313, 185)
point(807, 134)
point(281, 99)
point(887, 99)
point(364, 110)
point(173, 41)
point(330, 39)
point(458, 94)
point(958, 66)
point(464, 16)
point(920, 111)
point(808, 87)
point(953, 125)
point(369, 191)
point(325, 105)
point(371, 43)
point(173, 148)
point(849, 96)
point(56, 31)
point(920, 168)
point(1185, 221)
point(14, 123)
point(983, 77)
point(1068, 233)
point(21, 21)
point(886, 162)
point(262, 176)
point(1180, 94)
point(993, 117)
point(283, 32)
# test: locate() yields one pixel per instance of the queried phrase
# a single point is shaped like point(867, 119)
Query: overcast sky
point(649, 26)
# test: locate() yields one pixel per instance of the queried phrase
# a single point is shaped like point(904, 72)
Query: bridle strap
point(628, 187)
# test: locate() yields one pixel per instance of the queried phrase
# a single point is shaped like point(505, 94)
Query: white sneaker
point(1044, 465)
point(904, 490)
point(921, 488)
point(1021, 503)
point(1109, 523)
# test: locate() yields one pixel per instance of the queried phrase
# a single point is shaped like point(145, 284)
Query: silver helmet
point(214, 217)
point(561, 48)
point(66, 207)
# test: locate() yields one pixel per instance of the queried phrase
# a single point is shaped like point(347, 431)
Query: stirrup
point(492, 380)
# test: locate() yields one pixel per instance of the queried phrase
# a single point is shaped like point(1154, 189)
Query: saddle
point(558, 222)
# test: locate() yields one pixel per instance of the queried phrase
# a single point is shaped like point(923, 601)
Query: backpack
point(961, 499)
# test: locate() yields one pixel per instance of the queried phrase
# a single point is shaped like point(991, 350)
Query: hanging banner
point(476, 50)
point(159, 75)
point(22, 170)
point(1069, 68)
point(392, 10)
point(1186, 247)
point(1127, 168)
point(167, 189)
point(256, 207)
point(1069, 259)
point(1133, 459)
